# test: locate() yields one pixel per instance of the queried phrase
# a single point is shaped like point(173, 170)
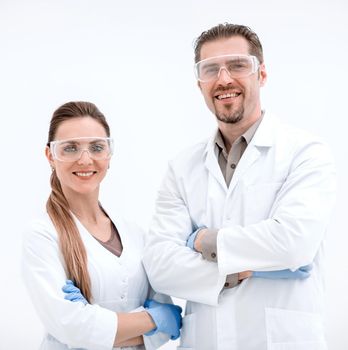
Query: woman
point(77, 239)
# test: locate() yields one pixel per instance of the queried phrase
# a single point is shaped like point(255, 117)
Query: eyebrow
point(77, 142)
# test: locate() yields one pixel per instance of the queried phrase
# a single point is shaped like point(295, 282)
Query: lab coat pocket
point(294, 330)
point(188, 333)
point(259, 200)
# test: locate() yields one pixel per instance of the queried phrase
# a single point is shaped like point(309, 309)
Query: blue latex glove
point(167, 318)
point(73, 293)
point(192, 237)
point(301, 273)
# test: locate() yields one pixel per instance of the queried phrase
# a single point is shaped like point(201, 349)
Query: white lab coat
point(119, 284)
point(273, 216)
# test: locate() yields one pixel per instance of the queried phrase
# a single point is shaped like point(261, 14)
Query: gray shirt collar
point(247, 136)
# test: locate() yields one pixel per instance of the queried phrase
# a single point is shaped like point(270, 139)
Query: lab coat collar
point(264, 135)
point(263, 138)
point(89, 240)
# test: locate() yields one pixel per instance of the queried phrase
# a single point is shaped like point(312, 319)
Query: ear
point(49, 156)
point(262, 75)
point(199, 85)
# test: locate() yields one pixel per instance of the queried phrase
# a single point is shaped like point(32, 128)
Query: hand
point(73, 293)
point(243, 275)
point(301, 273)
point(167, 318)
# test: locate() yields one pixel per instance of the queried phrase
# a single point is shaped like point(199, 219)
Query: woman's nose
point(85, 157)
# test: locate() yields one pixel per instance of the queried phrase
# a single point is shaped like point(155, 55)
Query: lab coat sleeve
point(173, 268)
point(292, 234)
point(74, 324)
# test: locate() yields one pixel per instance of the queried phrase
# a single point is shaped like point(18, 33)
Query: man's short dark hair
point(225, 31)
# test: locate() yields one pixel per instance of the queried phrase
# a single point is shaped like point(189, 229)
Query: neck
point(230, 132)
point(85, 206)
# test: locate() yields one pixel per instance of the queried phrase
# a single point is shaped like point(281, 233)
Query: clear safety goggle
point(237, 66)
point(70, 150)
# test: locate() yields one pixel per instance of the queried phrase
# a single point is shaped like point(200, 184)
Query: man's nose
point(224, 75)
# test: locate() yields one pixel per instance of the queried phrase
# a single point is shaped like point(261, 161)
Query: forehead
point(225, 46)
point(80, 127)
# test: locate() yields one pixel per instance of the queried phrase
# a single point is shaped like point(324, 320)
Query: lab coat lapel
point(249, 157)
point(95, 246)
point(263, 139)
point(212, 165)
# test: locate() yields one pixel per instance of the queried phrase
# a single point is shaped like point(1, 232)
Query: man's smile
point(227, 96)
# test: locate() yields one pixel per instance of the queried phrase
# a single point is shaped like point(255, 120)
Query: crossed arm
point(203, 241)
point(288, 239)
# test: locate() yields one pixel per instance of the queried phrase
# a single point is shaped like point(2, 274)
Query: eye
point(97, 148)
point(238, 65)
point(210, 69)
point(70, 149)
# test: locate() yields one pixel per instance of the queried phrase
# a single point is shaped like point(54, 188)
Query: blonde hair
point(57, 206)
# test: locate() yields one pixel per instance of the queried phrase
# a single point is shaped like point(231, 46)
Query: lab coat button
point(226, 284)
point(213, 255)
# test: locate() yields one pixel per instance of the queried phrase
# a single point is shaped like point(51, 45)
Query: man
point(257, 197)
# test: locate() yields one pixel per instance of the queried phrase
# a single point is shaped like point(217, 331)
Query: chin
point(83, 190)
point(229, 119)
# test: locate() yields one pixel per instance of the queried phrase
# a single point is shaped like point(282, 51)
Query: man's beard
point(231, 117)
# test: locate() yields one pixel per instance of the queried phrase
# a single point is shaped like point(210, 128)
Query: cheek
point(208, 96)
point(62, 172)
point(103, 166)
point(206, 89)
point(253, 88)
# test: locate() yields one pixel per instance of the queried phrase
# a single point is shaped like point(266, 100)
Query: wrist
point(150, 323)
point(198, 241)
point(192, 238)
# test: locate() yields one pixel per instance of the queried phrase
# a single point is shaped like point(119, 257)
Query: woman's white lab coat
point(119, 284)
point(273, 216)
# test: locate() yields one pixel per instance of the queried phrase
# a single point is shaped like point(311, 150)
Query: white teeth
point(85, 174)
point(221, 97)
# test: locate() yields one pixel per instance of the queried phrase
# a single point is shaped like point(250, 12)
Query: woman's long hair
point(70, 242)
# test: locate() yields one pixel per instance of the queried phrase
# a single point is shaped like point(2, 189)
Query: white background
point(134, 60)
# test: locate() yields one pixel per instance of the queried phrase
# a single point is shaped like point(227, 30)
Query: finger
point(303, 275)
point(175, 336)
point(68, 288)
point(306, 275)
point(306, 268)
point(74, 297)
point(147, 303)
point(69, 297)
point(152, 303)
point(178, 308)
